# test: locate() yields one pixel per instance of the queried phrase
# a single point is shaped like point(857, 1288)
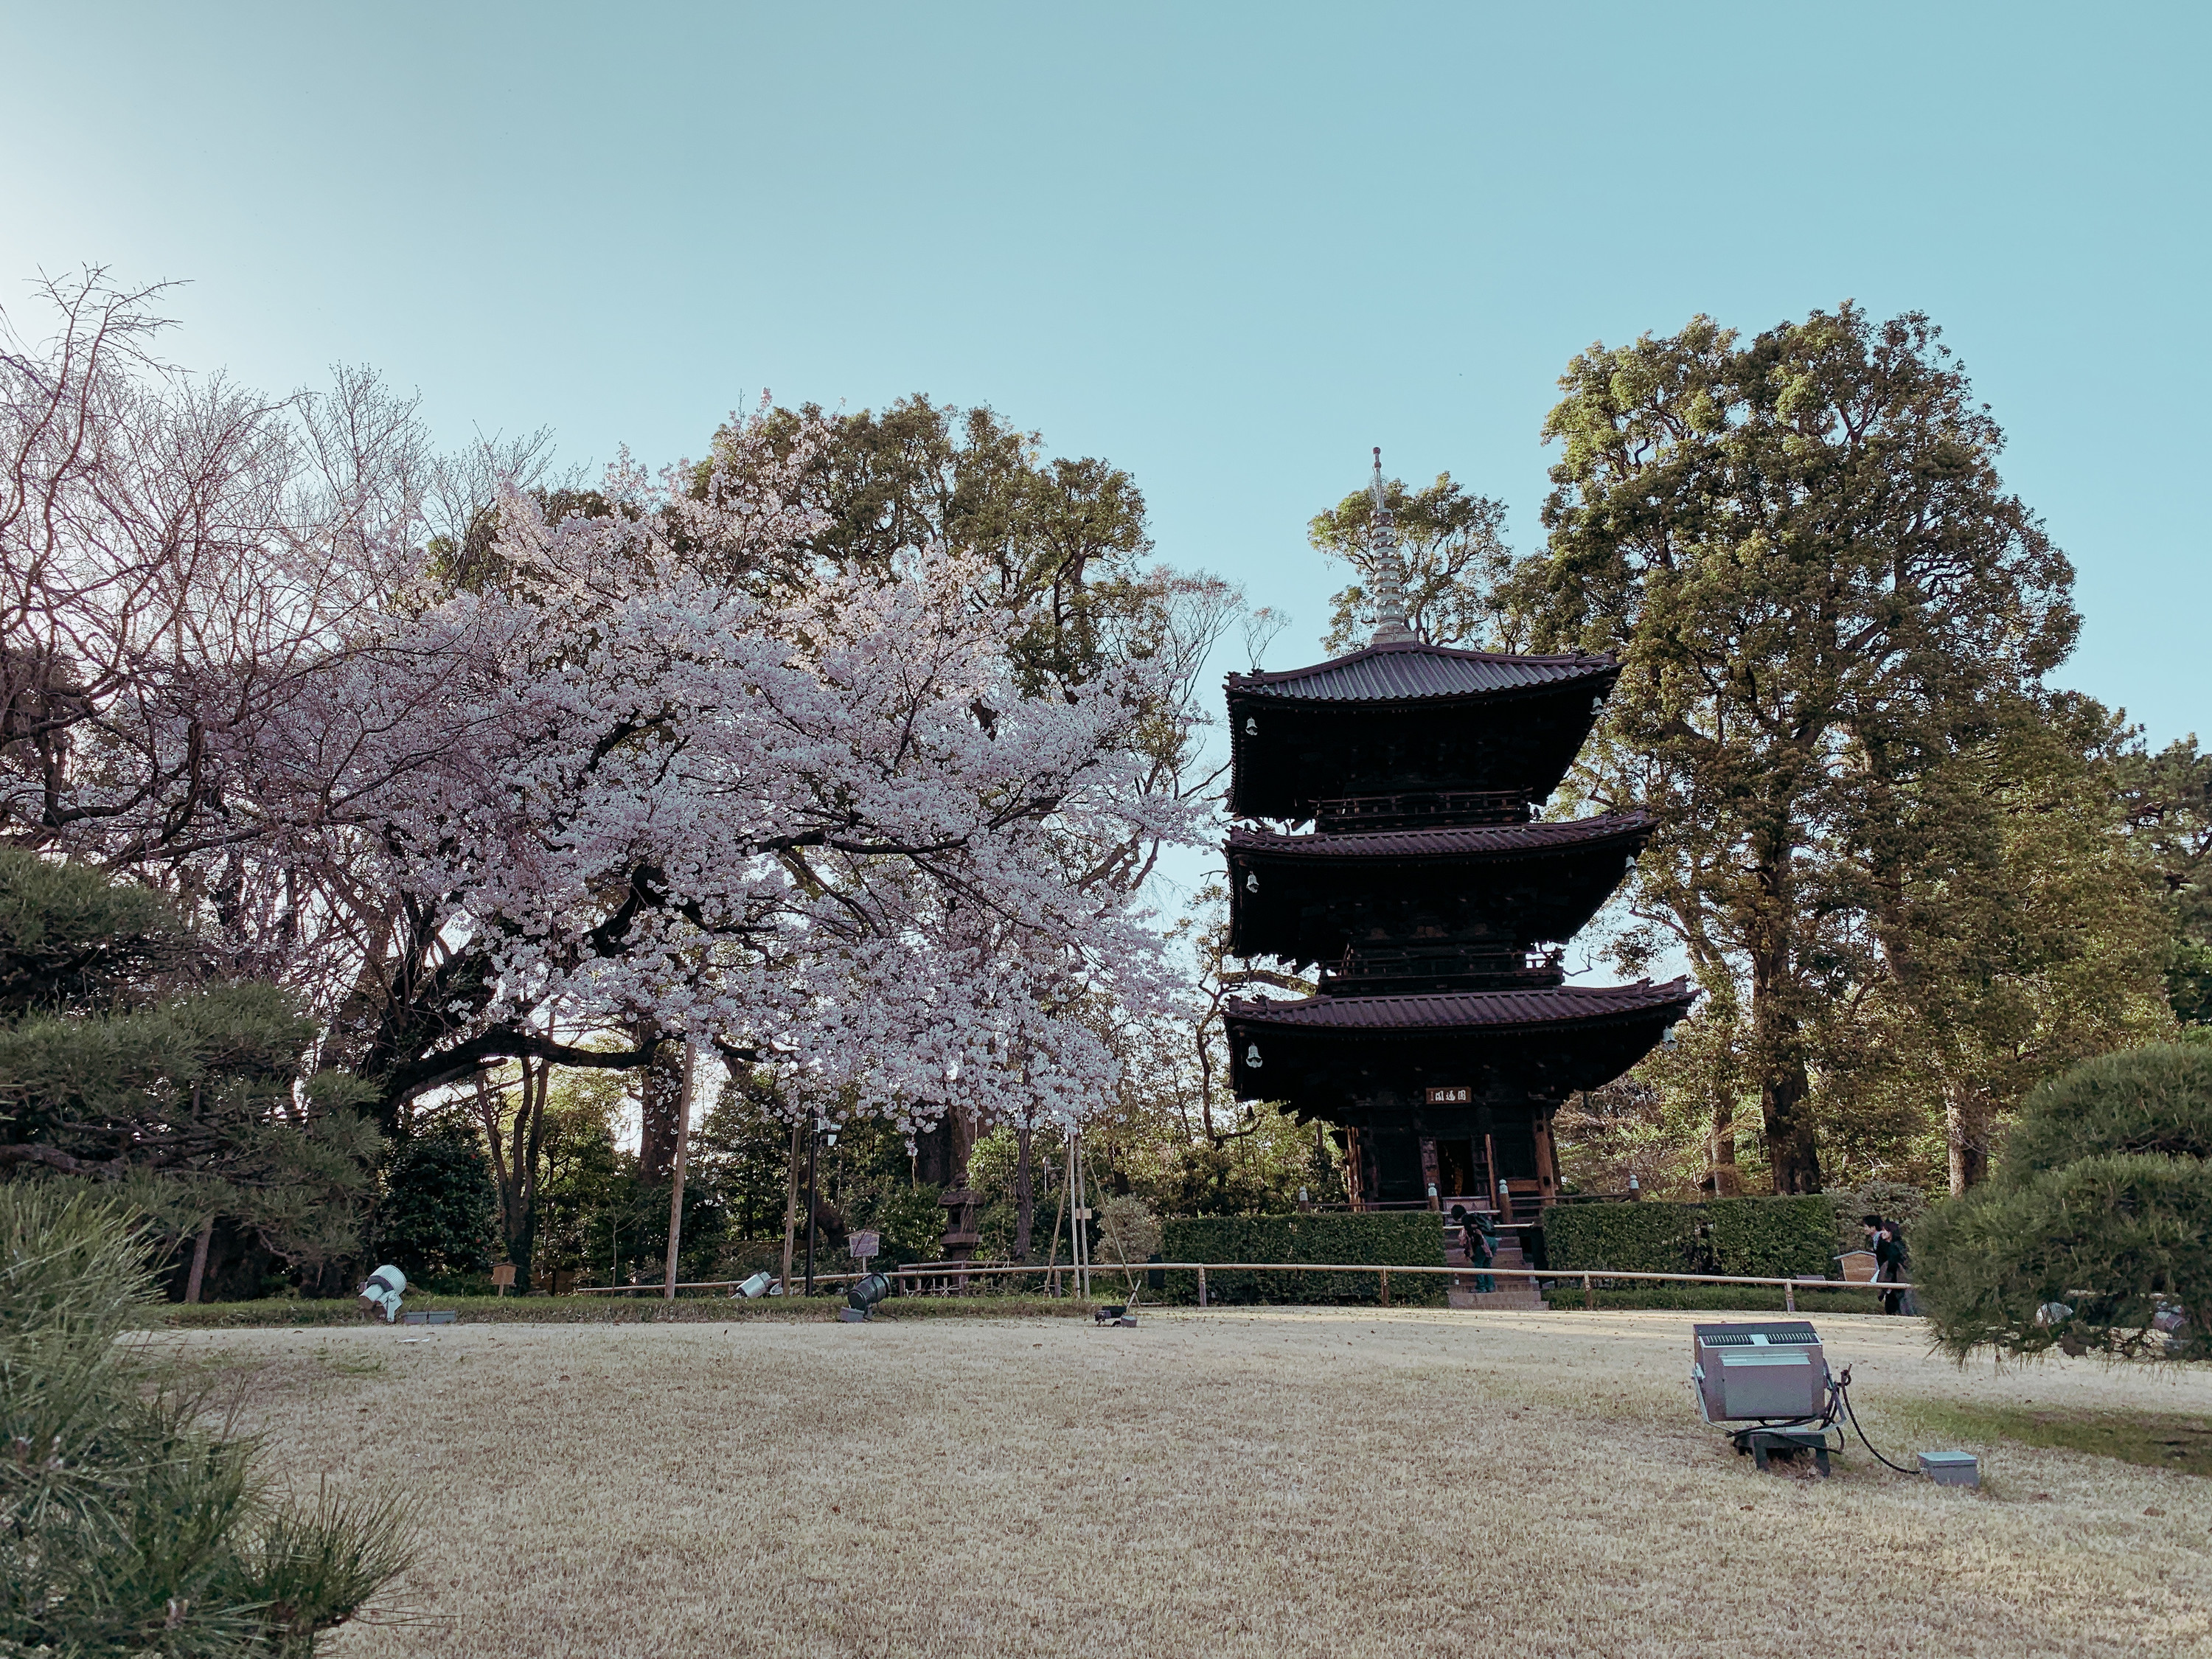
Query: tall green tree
point(1823, 596)
point(435, 1218)
point(2169, 805)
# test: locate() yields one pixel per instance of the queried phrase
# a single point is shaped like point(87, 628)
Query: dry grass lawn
point(1307, 1482)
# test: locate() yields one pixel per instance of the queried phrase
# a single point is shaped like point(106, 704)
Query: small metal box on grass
point(1951, 1468)
point(436, 1316)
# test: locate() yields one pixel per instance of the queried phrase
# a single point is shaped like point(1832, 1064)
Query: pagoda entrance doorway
point(1459, 1172)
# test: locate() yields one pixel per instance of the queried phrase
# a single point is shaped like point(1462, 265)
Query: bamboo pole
point(676, 1188)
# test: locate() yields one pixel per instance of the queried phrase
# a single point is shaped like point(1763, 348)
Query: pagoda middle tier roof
point(1560, 1005)
point(1464, 842)
point(1411, 671)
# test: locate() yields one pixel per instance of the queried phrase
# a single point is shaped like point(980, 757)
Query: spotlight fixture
point(757, 1286)
point(382, 1292)
point(861, 1299)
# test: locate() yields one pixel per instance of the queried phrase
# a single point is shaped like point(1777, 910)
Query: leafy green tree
point(1823, 597)
point(120, 1062)
point(1457, 567)
point(436, 1219)
point(2094, 1233)
point(2169, 799)
point(127, 1524)
point(2017, 936)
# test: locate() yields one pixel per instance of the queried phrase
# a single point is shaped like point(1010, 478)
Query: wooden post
point(199, 1257)
point(1052, 1262)
point(676, 1186)
point(1386, 1287)
point(1789, 1298)
point(790, 1209)
point(1589, 1296)
point(1201, 1285)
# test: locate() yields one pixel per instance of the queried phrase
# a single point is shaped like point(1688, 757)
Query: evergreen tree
point(121, 1059)
point(127, 1524)
point(2094, 1234)
point(437, 1218)
point(1834, 623)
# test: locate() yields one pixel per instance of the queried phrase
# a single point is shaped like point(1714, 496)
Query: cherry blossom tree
point(490, 769)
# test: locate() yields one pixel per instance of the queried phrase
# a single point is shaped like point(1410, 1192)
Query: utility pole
point(676, 1192)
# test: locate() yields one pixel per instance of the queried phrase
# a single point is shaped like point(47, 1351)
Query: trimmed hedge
point(1758, 1237)
point(1647, 1237)
point(1406, 1238)
point(645, 1308)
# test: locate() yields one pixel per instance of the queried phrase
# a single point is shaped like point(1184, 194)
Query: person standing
point(1888, 1243)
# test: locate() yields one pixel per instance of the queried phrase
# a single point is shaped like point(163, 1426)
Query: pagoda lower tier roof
point(1410, 670)
point(1376, 1058)
point(1552, 1008)
point(1474, 841)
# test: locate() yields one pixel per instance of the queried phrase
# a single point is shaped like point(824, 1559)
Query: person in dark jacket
point(1482, 1247)
point(1886, 1240)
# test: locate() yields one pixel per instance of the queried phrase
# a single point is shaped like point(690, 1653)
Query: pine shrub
point(2094, 1234)
point(128, 1527)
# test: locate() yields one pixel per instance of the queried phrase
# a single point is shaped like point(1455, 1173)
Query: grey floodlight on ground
point(758, 1285)
point(1772, 1375)
point(861, 1299)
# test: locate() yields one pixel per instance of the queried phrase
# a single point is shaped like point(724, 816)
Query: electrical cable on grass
point(1843, 1387)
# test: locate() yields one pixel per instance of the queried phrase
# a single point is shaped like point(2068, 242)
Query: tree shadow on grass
point(2167, 1440)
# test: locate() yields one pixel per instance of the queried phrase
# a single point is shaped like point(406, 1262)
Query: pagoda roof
point(1412, 672)
point(1478, 841)
point(1464, 1010)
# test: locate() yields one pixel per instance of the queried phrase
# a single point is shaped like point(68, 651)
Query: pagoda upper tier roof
point(1412, 671)
point(1560, 1005)
point(1477, 841)
point(1410, 718)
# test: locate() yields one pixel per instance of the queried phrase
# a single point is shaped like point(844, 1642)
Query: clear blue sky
point(1228, 246)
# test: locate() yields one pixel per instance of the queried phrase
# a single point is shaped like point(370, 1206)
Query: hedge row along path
point(1589, 1277)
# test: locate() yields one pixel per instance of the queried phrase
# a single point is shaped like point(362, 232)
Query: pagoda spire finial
point(1390, 585)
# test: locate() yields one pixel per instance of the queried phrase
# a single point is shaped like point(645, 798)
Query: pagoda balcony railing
point(1423, 810)
point(1410, 972)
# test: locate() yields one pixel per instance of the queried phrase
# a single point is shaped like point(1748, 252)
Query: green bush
point(1771, 1238)
point(436, 1220)
point(1647, 1237)
point(1756, 1237)
point(2095, 1233)
point(2155, 1100)
point(1414, 1239)
point(126, 1525)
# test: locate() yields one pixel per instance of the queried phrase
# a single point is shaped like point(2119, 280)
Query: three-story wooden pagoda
point(1434, 900)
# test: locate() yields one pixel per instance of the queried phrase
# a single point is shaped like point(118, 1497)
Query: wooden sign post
point(861, 1246)
point(503, 1277)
